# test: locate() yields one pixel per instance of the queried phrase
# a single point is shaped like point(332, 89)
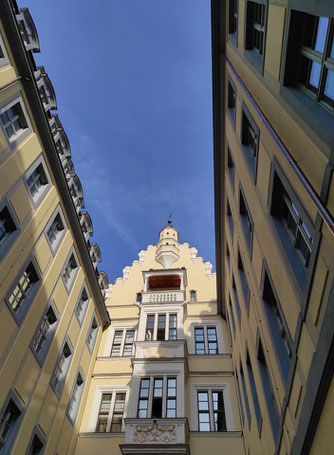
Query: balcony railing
point(162, 296)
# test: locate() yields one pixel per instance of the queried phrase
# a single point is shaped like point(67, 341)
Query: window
point(13, 120)
point(211, 411)
point(139, 297)
point(236, 300)
point(55, 231)
point(157, 397)
point(206, 340)
point(255, 29)
point(92, 334)
point(250, 139)
point(268, 391)
point(254, 394)
point(70, 270)
point(82, 305)
point(110, 417)
point(61, 369)
point(74, 402)
point(229, 217)
point(243, 280)
point(8, 229)
point(244, 389)
point(37, 182)
point(123, 343)
point(231, 100)
point(246, 219)
point(193, 296)
point(43, 336)
point(3, 54)
point(313, 56)
point(37, 442)
point(161, 327)
point(230, 166)
point(294, 228)
point(10, 419)
point(231, 314)
point(278, 328)
point(21, 295)
point(239, 396)
point(233, 17)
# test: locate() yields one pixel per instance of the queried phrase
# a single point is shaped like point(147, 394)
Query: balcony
point(158, 349)
point(149, 436)
point(163, 296)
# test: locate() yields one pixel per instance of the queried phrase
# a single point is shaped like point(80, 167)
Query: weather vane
point(170, 219)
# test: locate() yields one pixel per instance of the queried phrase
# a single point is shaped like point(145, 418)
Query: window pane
point(329, 85)
point(321, 34)
point(315, 74)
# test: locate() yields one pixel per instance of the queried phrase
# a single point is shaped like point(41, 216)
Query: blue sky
point(133, 86)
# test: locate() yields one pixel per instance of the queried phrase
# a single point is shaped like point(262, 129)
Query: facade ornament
point(155, 433)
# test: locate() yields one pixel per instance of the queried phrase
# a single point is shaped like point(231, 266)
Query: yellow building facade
point(52, 309)
point(273, 95)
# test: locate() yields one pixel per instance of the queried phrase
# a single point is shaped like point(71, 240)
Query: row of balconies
point(47, 94)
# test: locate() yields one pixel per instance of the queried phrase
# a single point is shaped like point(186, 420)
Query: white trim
point(4, 60)
point(157, 309)
point(22, 133)
point(110, 338)
point(69, 284)
point(59, 237)
point(94, 413)
point(219, 333)
point(212, 387)
point(38, 197)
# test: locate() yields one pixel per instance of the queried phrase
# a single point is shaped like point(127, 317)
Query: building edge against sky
point(273, 102)
point(66, 365)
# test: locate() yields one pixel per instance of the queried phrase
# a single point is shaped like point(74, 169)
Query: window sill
point(217, 434)
point(255, 59)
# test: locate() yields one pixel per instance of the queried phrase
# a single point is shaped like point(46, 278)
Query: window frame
point(5, 59)
point(94, 415)
point(23, 132)
point(59, 387)
point(38, 433)
point(81, 316)
point(41, 193)
point(252, 55)
point(69, 285)
point(247, 226)
point(13, 234)
point(219, 337)
point(152, 378)
point(232, 110)
point(156, 315)
point(41, 356)
point(60, 233)
point(33, 289)
point(250, 154)
point(92, 333)
point(213, 387)
point(233, 15)
point(12, 435)
point(230, 166)
point(123, 343)
point(77, 400)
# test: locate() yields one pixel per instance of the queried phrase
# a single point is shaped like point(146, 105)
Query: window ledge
point(101, 435)
point(217, 434)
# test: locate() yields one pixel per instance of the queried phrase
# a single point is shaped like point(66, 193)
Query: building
point(273, 98)
point(163, 375)
point(52, 309)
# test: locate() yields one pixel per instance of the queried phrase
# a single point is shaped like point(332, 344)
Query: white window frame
point(75, 400)
point(40, 356)
point(92, 333)
point(81, 316)
point(11, 437)
point(165, 376)
point(58, 388)
point(22, 133)
point(39, 196)
point(4, 60)
point(30, 295)
point(122, 345)
point(11, 236)
point(60, 234)
point(211, 387)
point(94, 414)
point(69, 283)
point(206, 325)
point(162, 309)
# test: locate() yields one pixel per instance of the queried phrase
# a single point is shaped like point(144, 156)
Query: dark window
point(268, 390)
point(246, 219)
point(199, 340)
point(243, 280)
point(250, 139)
point(236, 300)
point(139, 297)
point(229, 217)
point(36, 180)
point(60, 372)
point(193, 296)
point(157, 397)
point(13, 120)
point(227, 254)
point(7, 225)
point(230, 166)
point(22, 290)
point(36, 446)
point(211, 411)
point(55, 230)
point(243, 383)
point(149, 327)
point(231, 315)
point(255, 27)
point(172, 335)
point(233, 17)
point(278, 327)
point(82, 305)
point(294, 229)
point(161, 332)
point(171, 398)
point(74, 402)
point(311, 56)
point(8, 425)
point(219, 419)
point(239, 396)
point(43, 337)
point(143, 398)
point(92, 334)
point(254, 394)
point(231, 100)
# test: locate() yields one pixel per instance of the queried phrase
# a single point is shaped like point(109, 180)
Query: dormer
point(45, 89)
point(95, 254)
point(86, 225)
point(28, 30)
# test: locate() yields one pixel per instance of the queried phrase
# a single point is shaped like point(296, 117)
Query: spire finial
point(170, 219)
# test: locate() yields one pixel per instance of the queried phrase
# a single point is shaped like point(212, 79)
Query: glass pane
point(142, 404)
point(329, 85)
point(332, 51)
point(129, 336)
point(171, 382)
point(203, 417)
point(315, 74)
point(161, 321)
point(321, 34)
point(171, 413)
point(199, 334)
point(171, 404)
point(204, 426)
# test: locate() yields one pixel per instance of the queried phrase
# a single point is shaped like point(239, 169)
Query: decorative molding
point(126, 272)
point(141, 256)
point(154, 433)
